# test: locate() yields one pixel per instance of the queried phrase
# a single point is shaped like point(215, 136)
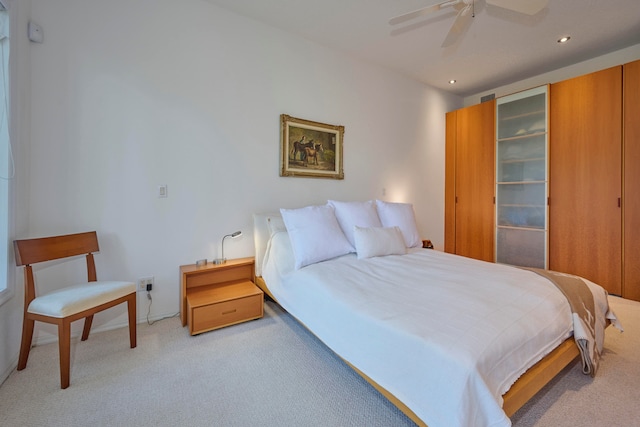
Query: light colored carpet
point(272, 372)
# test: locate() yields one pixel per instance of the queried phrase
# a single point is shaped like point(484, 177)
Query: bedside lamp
point(222, 259)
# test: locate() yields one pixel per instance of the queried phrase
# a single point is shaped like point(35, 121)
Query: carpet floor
point(273, 372)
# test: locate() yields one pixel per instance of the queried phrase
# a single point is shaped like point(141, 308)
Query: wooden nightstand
point(213, 296)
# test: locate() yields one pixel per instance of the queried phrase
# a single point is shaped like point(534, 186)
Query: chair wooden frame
point(31, 251)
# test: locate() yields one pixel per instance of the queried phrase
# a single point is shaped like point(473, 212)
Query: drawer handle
point(229, 312)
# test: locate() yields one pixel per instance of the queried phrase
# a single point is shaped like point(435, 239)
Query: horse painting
point(310, 148)
point(299, 147)
point(310, 155)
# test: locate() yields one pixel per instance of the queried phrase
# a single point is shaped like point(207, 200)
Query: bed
point(449, 340)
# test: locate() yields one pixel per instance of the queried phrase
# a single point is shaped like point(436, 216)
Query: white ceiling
point(499, 47)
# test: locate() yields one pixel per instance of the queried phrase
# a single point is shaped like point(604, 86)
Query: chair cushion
point(77, 298)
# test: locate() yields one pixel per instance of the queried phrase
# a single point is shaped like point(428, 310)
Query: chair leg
point(25, 345)
point(131, 305)
point(64, 345)
point(87, 327)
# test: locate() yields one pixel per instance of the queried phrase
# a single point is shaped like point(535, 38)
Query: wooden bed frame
point(520, 392)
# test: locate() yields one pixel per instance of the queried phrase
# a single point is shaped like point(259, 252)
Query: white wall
point(128, 95)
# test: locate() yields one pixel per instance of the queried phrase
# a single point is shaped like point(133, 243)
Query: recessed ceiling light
point(564, 39)
point(452, 81)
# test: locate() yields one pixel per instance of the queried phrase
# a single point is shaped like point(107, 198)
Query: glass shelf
point(518, 117)
point(521, 178)
point(512, 250)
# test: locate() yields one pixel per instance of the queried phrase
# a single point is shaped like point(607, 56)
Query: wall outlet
point(143, 282)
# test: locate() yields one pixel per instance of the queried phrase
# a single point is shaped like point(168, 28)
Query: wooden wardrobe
point(470, 181)
point(594, 209)
point(594, 179)
point(585, 178)
point(631, 187)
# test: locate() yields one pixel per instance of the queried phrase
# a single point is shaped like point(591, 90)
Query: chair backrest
point(31, 251)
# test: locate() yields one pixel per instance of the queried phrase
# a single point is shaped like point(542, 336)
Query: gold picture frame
point(310, 149)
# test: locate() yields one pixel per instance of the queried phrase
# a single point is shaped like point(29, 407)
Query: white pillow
point(350, 214)
point(401, 215)
point(379, 241)
point(315, 234)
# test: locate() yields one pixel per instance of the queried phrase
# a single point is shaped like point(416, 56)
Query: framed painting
point(310, 149)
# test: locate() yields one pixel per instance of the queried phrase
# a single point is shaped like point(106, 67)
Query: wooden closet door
point(585, 178)
point(450, 183)
point(631, 200)
point(475, 181)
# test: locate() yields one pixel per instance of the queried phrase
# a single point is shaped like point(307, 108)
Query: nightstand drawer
point(218, 306)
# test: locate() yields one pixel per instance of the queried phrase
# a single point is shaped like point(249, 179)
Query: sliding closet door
point(585, 178)
point(631, 201)
point(450, 183)
point(475, 181)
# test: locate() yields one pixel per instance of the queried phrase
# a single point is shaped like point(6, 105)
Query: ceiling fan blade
point(462, 22)
point(528, 7)
point(422, 11)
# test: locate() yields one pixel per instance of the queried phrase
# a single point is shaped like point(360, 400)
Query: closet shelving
point(522, 178)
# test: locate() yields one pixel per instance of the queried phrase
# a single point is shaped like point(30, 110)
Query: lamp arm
point(222, 255)
point(222, 259)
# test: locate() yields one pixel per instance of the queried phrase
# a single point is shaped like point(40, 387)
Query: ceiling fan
point(466, 11)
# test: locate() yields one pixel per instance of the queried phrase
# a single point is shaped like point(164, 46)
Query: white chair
point(71, 303)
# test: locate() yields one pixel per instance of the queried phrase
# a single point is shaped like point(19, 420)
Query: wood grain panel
point(192, 276)
point(32, 251)
point(585, 178)
point(475, 181)
point(213, 307)
point(631, 201)
point(539, 375)
point(450, 183)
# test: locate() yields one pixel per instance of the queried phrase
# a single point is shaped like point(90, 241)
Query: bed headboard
point(261, 235)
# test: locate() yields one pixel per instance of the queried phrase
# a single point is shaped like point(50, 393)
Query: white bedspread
point(446, 335)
